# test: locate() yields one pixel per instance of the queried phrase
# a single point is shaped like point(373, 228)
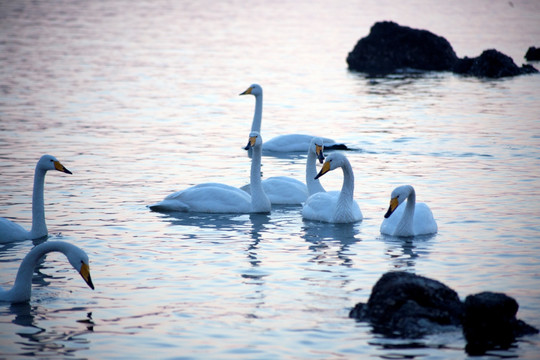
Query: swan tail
point(168, 206)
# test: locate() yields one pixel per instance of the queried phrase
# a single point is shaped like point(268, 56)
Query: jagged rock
point(491, 63)
point(490, 322)
point(390, 47)
point(533, 54)
point(411, 306)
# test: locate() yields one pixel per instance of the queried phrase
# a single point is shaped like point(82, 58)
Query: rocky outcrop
point(390, 47)
point(410, 306)
point(532, 54)
point(492, 64)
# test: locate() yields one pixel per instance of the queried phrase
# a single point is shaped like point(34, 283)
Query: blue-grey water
point(140, 98)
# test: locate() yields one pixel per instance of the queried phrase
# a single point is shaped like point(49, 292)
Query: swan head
point(79, 260)
point(253, 89)
point(317, 147)
point(255, 139)
point(397, 197)
point(333, 161)
point(49, 162)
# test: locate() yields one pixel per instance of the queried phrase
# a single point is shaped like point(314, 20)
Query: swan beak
point(324, 170)
point(319, 151)
point(251, 142)
point(247, 92)
point(61, 167)
point(393, 205)
point(85, 273)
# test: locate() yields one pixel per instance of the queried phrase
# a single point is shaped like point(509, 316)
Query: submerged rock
point(490, 322)
point(493, 64)
point(408, 305)
point(532, 54)
point(390, 47)
point(411, 306)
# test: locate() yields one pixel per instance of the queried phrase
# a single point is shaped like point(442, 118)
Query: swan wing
point(424, 222)
point(293, 143)
point(320, 206)
point(206, 198)
point(10, 231)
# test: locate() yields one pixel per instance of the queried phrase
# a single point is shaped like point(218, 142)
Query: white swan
point(22, 287)
point(283, 143)
point(334, 206)
point(283, 190)
point(221, 198)
point(10, 231)
point(409, 220)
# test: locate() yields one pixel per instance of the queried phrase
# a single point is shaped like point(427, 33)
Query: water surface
point(139, 99)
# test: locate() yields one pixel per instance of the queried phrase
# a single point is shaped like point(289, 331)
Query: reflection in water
point(403, 251)
point(45, 341)
point(258, 222)
point(325, 236)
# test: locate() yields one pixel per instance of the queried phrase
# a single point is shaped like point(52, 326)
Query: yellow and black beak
point(85, 273)
point(393, 206)
point(319, 151)
point(248, 91)
point(61, 167)
point(324, 170)
point(251, 142)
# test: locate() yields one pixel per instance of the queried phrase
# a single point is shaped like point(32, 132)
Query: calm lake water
point(140, 99)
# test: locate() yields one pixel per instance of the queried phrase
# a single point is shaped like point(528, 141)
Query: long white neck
point(257, 117)
point(313, 185)
point(22, 287)
point(259, 200)
point(347, 190)
point(39, 228)
point(405, 225)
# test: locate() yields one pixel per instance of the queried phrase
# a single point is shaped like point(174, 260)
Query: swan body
point(21, 290)
point(409, 220)
point(222, 198)
point(283, 143)
point(10, 231)
point(334, 206)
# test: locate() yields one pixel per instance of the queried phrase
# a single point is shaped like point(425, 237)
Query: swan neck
point(39, 228)
point(405, 226)
point(347, 190)
point(313, 185)
point(259, 199)
point(23, 282)
point(257, 117)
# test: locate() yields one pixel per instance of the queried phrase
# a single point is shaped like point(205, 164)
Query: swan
point(10, 231)
point(334, 206)
point(221, 198)
point(409, 220)
point(283, 190)
point(283, 143)
point(20, 292)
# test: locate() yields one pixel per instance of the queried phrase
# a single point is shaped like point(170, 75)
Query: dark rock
point(409, 305)
point(490, 322)
point(533, 54)
point(390, 47)
point(491, 64)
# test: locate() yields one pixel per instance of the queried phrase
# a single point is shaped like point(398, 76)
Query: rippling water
point(140, 99)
